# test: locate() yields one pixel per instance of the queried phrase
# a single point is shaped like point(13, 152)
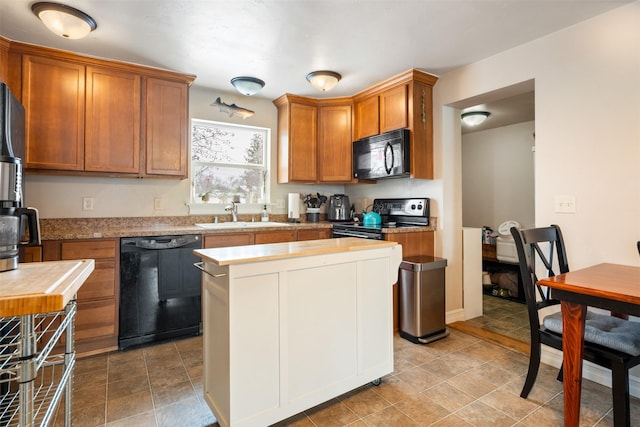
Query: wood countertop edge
point(54, 297)
point(268, 252)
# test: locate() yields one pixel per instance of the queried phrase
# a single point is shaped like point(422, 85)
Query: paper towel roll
point(293, 206)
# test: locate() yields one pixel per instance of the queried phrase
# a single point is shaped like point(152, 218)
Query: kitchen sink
point(241, 224)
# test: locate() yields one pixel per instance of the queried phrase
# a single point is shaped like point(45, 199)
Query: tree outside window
point(229, 160)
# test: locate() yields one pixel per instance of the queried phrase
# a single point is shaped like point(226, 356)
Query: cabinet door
point(303, 142)
point(275, 237)
point(225, 240)
point(112, 137)
point(393, 109)
point(367, 114)
point(315, 234)
point(335, 151)
point(53, 97)
point(166, 110)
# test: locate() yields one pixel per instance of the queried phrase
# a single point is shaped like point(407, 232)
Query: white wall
point(497, 176)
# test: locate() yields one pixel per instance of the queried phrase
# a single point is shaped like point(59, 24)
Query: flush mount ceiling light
point(64, 20)
point(323, 80)
point(247, 85)
point(474, 118)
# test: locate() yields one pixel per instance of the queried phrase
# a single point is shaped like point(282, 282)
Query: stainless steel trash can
point(422, 299)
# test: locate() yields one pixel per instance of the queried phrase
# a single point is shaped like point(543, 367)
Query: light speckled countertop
point(89, 228)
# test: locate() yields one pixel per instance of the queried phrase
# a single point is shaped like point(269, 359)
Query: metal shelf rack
point(35, 373)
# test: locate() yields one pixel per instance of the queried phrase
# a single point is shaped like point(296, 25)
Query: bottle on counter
point(265, 214)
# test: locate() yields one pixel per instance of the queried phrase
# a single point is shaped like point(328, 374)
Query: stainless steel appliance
point(339, 208)
point(382, 156)
point(421, 298)
point(394, 213)
point(13, 217)
point(160, 289)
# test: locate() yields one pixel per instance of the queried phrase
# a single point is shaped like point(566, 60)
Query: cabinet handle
point(199, 266)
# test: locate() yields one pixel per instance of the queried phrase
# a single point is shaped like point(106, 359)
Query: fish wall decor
point(233, 109)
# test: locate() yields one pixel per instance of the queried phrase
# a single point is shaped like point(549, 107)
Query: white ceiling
point(280, 41)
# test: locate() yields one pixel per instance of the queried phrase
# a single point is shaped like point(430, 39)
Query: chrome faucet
point(233, 208)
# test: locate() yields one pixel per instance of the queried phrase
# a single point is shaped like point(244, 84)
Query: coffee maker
point(14, 219)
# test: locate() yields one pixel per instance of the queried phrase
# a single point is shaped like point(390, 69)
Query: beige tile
point(127, 406)
point(146, 419)
point(452, 421)
point(390, 416)
point(90, 396)
point(448, 396)
point(123, 369)
point(187, 412)
point(422, 409)
point(130, 385)
point(472, 382)
point(300, 420)
point(331, 413)
point(393, 389)
point(419, 379)
point(364, 401)
point(91, 364)
point(479, 414)
point(166, 395)
point(169, 376)
point(509, 403)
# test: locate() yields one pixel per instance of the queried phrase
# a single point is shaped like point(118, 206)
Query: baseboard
point(455, 316)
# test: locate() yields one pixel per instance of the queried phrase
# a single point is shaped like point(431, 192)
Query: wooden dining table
point(612, 287)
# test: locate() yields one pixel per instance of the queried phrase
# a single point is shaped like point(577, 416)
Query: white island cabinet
point(290, 325)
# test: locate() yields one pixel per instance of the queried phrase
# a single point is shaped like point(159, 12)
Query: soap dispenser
point(265, 214)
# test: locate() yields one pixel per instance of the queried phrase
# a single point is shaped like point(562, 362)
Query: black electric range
point(395, 213)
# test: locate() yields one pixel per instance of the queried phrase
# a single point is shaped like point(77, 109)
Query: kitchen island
point(37, 311)
point(287, 326)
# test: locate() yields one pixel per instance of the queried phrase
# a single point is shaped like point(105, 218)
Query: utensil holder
point(313, 214)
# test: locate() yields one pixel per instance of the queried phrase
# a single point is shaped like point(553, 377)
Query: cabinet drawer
point(88, 249)
point(275, 237)
point(224, 240)
point(96, 319)
point(324, 233)
point(101, 283)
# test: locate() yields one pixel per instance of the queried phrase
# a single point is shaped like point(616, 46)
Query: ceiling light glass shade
point(64, 20)
point(247, 85)
point(474, 118)
point(323, 80)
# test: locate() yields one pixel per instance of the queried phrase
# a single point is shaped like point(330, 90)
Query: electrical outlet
point(565, 204)
point(87, 203)
point(157, 203)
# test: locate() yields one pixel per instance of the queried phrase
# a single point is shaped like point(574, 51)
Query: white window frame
point(196, 205)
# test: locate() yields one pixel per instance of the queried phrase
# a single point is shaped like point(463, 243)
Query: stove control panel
point(402, 207)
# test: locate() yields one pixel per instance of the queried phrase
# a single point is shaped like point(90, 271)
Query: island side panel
point(375, 315)
point(319, 329)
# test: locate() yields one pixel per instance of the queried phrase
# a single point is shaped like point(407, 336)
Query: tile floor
point(505, 317)
point(457, 381)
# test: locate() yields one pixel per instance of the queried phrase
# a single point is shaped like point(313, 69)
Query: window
point(229, 161)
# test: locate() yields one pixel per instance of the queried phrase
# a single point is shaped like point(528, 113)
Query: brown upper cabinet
point(315, 135)
point(88, 116)
point(403, 101)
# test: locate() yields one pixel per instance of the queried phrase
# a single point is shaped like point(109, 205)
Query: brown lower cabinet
point(97, 318)
point(240, 239)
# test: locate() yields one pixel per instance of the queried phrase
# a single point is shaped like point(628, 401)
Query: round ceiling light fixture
point(474, 118)
point(63, 20)
point(323, 80)
point(247, 85)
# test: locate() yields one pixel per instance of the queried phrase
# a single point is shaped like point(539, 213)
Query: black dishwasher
point(160, 289)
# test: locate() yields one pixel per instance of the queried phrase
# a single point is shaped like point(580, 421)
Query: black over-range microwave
point(382, 156)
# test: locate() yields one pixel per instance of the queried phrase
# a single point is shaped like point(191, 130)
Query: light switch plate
point(565, 204)
point(87, 203)
point(157, 203)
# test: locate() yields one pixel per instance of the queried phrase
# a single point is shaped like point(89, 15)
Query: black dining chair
point(638, 246)
point(610, 342)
